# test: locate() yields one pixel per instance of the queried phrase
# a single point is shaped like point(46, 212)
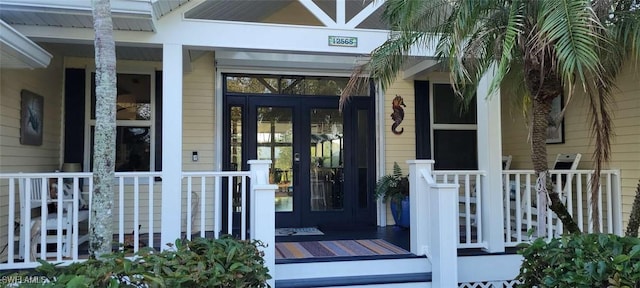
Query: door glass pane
point(236, 138)
point(327, 158)
point(362, 158)
point(275, 140)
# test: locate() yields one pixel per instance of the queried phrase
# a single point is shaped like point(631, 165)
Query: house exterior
point(206, 86)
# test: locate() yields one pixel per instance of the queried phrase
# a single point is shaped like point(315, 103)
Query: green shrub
point(581, 260)
point(224, 262)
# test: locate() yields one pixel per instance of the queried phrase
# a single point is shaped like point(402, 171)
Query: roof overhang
point(132, 15)
point(17, 51)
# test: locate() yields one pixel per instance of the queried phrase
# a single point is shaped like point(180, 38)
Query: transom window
point(289, 85)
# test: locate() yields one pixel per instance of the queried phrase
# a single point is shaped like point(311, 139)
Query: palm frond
point(573, 30)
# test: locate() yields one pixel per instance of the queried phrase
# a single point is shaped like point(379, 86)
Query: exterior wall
point(199, 121)
point(15, 157)
point(399, 148)
point(625, 144)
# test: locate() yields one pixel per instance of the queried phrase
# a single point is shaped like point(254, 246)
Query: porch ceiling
point(122, 52)
point(17, 51)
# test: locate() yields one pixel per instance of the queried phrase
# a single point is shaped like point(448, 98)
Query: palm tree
point(541, 48)
point(105, 131)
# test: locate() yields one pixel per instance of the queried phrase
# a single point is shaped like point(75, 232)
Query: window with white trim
point(135, 122)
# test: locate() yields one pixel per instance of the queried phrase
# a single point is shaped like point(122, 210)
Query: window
point(455, 143)
point(135, 122)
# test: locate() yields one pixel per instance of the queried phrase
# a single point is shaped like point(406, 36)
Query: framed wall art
point(31, 118)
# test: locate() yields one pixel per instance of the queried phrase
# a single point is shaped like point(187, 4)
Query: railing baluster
point(43, 223)
point(609, 205)
point(26, 221)
point(600, 216)
point(136, 213)
point(579, 202)
point(76, 212)
point(229, 206)
point(189, 205)
point(467, 207)
point(203, 199)
point(12, 215)
point(121, 209)
point(243, 206)
point(479, 193)
point(151, 204)
point(217, 207)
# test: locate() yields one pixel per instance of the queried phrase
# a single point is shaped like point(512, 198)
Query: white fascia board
point(131, 9)
point(119, 8)
point(232, 35)
point(22, 48)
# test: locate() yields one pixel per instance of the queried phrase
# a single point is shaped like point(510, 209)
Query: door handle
point(296, 157)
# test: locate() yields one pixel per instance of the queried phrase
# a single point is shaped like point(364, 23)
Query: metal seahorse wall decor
point(398, 114)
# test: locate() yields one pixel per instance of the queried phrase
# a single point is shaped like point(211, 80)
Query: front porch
point(139, 212)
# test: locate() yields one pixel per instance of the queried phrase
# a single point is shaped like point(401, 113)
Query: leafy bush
point(224, 262)
point(581, 260)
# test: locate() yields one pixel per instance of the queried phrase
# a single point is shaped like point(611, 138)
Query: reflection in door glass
point(236, 154)
point(275, 139)
point(327, 154)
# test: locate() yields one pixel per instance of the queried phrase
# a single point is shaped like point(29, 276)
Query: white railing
point(573, 186)
point(24, 233)
point(470, 204)
point(136, 212)
point(137, 197)
point(204, 193)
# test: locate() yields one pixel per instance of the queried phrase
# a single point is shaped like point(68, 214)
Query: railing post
point(262, 212)
point(434, 229)
point(419, 209)
point(616, 205)
point(443, 202)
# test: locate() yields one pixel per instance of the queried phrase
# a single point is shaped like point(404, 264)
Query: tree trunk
point(634, 217)
point(101, 232)
point(541, 109)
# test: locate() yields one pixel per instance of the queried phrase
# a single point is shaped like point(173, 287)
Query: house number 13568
point(343, 41)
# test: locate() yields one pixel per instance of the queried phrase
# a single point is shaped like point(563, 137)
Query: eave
point(20, 52)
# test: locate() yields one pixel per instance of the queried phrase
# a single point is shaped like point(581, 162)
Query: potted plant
point(395, 189)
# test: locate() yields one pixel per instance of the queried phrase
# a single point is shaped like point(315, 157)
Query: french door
point(322, 159)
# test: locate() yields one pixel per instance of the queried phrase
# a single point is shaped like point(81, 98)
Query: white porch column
point(262, 213)
point(419, 208)
point(171, 143)
point(490, 160)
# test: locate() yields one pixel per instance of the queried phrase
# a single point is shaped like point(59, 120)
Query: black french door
point(323, 160)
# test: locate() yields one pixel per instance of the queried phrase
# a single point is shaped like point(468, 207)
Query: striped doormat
point(339, 248)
